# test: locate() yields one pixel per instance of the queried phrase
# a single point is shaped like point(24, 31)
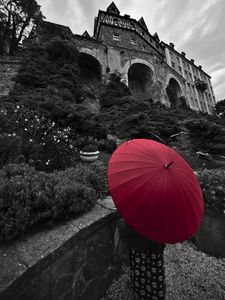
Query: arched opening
point(173, 91)
point(90, 68)
point(140, 80)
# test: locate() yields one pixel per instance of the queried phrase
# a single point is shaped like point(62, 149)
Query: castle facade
point(150, 67)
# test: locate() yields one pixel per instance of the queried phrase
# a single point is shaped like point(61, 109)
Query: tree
point(16, 17)
point(48, 79)
point(220, 108)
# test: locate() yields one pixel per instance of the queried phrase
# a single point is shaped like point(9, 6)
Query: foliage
point(144, 119)
point(107, 145)
point(117, 101)
point(10, 147)
point(115, 93)
point(37, 138)
point(48, 78)
point(206, 134)
point(93, 175)
point(90, 148)
point(86, 123)
point(220, 108)
point(213, 187)
point(29, 198)
point(16, 18)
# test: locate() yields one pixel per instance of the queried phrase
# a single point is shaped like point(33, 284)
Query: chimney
point(171, 45)
point(183, 53)
point(192, 60)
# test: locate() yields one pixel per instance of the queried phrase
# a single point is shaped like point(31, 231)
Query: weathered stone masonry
point(122, 44)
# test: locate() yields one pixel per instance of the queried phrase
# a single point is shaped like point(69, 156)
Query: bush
point(108, 146)
point(93, 175)
point(213, 187)
point(29, 197)
point(116, 101)
point(32, 135)
point(90, 148)
point(115, 92)
point(10, 147)
point(73, 198)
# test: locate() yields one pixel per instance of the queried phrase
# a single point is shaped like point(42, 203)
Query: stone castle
point(122, 44)
point(150, 67)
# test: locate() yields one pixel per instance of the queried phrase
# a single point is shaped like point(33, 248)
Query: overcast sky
point(194, 26)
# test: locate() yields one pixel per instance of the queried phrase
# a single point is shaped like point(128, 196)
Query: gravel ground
point(190, 275)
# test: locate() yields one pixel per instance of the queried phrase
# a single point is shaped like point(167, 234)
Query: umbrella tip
point(168, 165)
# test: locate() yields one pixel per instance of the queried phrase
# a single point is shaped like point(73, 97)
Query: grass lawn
point(190, 275)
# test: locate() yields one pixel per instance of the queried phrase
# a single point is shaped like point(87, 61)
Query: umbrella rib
point(132, 179)
point(131, 169)
point(187, 192)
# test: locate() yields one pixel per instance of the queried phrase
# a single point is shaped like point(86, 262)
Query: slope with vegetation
point(45, 121)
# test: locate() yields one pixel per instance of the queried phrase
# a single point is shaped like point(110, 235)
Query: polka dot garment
point(147, 275)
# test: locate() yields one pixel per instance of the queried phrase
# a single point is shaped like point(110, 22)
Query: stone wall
point(9, 67)
point(74, 261)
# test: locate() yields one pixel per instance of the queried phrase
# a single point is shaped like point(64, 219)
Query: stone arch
point(129, 63)
point(90, 67)
point(174, 89)
point(139, 77)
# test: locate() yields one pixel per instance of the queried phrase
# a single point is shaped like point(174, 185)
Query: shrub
point(73, 198)
point(115, 92)
point(90, 148)
point(213, 187)
point(35, 136)
point(107, 145)
point(93, 175)
point(29, 198)
point(10, 147)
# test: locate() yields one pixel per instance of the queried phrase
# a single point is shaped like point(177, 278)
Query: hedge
point(29, 198)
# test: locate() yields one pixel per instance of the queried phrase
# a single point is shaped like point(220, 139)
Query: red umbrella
point(155, 190)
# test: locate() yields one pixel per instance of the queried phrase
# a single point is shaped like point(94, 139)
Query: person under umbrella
point(146, 263)
point(160, 201)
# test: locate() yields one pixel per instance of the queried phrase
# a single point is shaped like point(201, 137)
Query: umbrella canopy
point(155, 190)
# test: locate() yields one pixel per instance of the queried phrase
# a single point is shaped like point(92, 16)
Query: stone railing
point(75, 260)
point(10, 59)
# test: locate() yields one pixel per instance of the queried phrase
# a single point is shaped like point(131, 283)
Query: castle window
point(116, 37)
point(115, 21)
point(143, 47)
point(143, 33)
point(179, 69)
point(189, 87)
point(173, 64)
point(133, 41)
point(132, 26)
